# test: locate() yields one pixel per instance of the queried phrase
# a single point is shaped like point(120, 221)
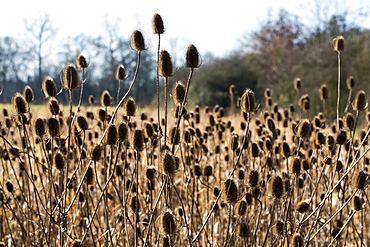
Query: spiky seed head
point(165, 64)
point(157, 24)
point(178, 92)
point(135, 204)
point(231, 191)
point(192, 57)
point(137, 139)
point(304, 102)
point(350, 82)
point(276, 187)
point(70, 77)
point(148, 129)
point(49, 87)
point(168, 223)
point(243, 230)
point(53, 106)
point(339, 43)
point(253, 178)
point(297, 84)
point(81, 62)
point(82, 123)
point(348, 121)
point(341, 137)
point(304, 129)
point(324, 93)
point(285, 149)
point(89, 176)
point(53, 127)
point(270, 124)
point(20, 104)
point(296, 240)
point(248, 101)
point(361, 180)
point(360, 101)
point(122, 132)
point(96, 152)
point(267, 93)
point(91, 100)
point(232, 89)
point(28, 94)
point(137, 41)
point(105, 99)
point(59, 161)
point(102, 114)
point(150, 172)
point(112, 135)
point(174, 135)
point(295, 166)
point(242, 209)
point(40, 127)
point(9, 187)
point(130, 107)
point(357, 203)
point(120, 72)
point(302, 207)
point(234, 141)
point(279, 228)
point(168, 163)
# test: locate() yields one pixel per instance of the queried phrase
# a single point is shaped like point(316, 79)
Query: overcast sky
point(210, 25)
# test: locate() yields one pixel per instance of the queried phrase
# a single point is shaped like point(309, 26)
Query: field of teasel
point(248, 175)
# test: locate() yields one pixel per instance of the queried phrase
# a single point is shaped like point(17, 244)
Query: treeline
point(273, 56)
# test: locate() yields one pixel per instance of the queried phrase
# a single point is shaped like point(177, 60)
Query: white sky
point(210, 25)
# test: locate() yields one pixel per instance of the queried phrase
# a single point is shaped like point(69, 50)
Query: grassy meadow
point(250, 174)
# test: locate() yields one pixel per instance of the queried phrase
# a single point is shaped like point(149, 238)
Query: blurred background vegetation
point(280, 50)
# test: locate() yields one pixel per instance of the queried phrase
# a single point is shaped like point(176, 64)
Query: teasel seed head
point(304, 102)
point(231, 191)
point(96, 152)
point(276, 187)
point(122, 132)
point(324, 93)
point(297, 84)
point(137, 139)
point(59, 161)
point(192, 57)
point(135, 204)
point(267, 93)
point(302, 207)
point(148, 129)
point(9, 187)
point(137, 41)
point(208, 171)
point(130, 107)
point(178, 92)
point(150, 172)
point(70, 77)
point(28, 94)
point(361, 180)
point(168, 163)
point(120, 72)
point(348, 121)
point(357, 203)
point(53, 106)
point(295, 166)
point(234, 141)
point(165, 64)
point(168, 224)
point(248, 101)
point(174, 135)
point(243, 230)
point(304, 129)
point(81, 62)
point(350, 82)
point(360, 101)
point(53, 127)
point(253, 178)
point(82, 123)
point(297, 240)
point(112, 135)
point(341, 137)
point(232, 89)
point(279, 228)
point(339, 43)
point(49, 87)
point(105, 99)
point(166, 241)
point(157, 24)
point(89, 176)
point(20, 104)
point(40, 127)
point(242, 209)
